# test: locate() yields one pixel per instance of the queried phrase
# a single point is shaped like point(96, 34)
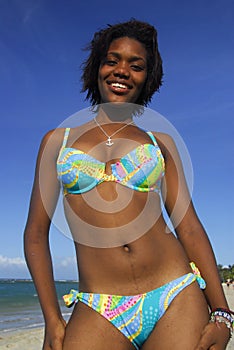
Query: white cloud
point(16, 267)
point(65, 267)
point(66, 262)
point(11, 262)
point(13, 267)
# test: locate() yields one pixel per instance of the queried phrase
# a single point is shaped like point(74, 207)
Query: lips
point(119, 86)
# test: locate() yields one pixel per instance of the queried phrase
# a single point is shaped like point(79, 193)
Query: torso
point(119, 233)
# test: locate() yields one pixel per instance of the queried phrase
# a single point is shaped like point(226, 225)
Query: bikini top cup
point(141, 169)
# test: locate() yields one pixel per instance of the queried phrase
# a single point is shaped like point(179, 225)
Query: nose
point(121, 71)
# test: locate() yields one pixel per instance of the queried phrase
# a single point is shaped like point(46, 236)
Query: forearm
point(199, 250)
point(39, 262)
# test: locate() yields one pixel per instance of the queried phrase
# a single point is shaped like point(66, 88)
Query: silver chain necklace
point(109, 141)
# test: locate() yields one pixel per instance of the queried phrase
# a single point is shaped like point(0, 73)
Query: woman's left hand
point(214, 337)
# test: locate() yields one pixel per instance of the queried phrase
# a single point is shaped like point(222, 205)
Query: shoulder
point(53, 135)
point(52, 140)
point(166, 143)
point(164, 138)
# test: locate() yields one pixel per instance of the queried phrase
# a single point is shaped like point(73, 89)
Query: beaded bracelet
point(220, 319)
point(222, 315)
point(230, 312)
point(225, 313)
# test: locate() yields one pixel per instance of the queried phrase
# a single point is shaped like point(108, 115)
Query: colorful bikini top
point(141, 169)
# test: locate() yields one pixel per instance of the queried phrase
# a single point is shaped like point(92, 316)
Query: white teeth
point(118, 85)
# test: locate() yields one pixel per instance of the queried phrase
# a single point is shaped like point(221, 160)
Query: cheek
point(142, 81)
point(102, 72)
point(101, 76)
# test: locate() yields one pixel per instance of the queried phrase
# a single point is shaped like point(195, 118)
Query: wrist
point(52, 316)
point(55, 322)
point(224, 316)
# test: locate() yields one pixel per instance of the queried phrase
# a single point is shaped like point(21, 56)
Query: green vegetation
point(226, 272)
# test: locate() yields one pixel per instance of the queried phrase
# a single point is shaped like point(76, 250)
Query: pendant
point(109, 142)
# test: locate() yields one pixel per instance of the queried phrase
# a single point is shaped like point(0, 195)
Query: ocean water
point(19, 305)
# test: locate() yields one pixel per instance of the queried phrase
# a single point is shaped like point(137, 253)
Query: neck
point(115, 113)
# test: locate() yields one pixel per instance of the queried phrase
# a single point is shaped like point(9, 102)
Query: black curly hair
point(98, 47)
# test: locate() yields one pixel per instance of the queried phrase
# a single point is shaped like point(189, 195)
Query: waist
point(142, 265)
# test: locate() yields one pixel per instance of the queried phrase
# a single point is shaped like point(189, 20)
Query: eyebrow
point(132, 59)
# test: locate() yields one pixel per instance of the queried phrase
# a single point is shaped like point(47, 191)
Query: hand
point(214, 337)
point(54, 335)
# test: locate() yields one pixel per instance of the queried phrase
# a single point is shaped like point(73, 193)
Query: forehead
point(128, 46)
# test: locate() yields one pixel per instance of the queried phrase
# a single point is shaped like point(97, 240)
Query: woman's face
point(123, 72)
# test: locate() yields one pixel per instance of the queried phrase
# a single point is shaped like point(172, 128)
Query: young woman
point(137, 286)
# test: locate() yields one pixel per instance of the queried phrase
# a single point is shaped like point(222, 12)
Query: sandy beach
point(22, 340)
point(32, 339)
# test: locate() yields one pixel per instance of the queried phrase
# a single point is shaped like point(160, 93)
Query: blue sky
point(41, 44)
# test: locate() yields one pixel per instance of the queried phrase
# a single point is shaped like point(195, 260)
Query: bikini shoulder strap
point(66, 134)
point(152, 138)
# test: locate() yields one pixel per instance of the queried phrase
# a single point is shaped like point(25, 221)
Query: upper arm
point(46, 186)
point(175, 191)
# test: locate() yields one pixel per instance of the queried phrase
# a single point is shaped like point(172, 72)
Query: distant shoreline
point(30, 280)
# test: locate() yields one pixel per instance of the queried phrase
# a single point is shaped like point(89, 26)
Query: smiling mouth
point(119, 86)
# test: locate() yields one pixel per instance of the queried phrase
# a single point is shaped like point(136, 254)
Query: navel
point(126, 248)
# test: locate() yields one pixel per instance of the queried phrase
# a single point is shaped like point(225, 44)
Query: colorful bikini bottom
point(136, 315)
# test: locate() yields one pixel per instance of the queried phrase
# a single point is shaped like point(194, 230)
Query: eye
point(110, 62)
point(137, 68)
